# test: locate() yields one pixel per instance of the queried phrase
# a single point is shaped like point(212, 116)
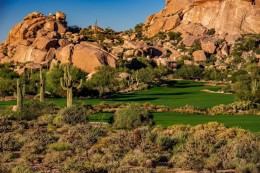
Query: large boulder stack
point(40, 39)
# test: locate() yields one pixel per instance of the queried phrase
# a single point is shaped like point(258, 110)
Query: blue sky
point(117, 14)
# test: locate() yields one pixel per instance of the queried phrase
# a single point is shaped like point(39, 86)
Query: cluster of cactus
point(20, 93)
point(68, 84)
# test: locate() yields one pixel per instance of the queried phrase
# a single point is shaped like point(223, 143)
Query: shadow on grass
point(135, 99)
point(182, 84)
point(170, 94)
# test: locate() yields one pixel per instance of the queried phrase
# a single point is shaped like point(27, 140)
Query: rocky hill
point(41, 39)
point(231, 17)
point(211, 33)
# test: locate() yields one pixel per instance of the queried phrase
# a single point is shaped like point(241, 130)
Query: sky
point(116, 14)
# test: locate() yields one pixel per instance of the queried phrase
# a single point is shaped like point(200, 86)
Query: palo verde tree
point(246, 84)
point(104, 80)
point(68, 84)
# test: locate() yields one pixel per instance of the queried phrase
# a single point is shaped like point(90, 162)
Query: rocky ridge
point(47, 40)
point(193, 17)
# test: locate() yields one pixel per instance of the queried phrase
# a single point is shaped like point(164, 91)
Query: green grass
point(176, 94)
point(166, 119)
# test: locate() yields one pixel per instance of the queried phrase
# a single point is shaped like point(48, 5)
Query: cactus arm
point(23, 90)
point(62, 84)
point(42, 86)
point(80, 84)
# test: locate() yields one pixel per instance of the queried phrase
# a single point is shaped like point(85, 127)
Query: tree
point(247, 84)
point(144, 75)
point(7, 87)
point(139, 30)
point(189, 72)
point(104, 80)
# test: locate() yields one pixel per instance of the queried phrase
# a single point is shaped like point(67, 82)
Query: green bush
point(174, 36)
point(74, 115)
point(104, 80)
point(189, 72)
point(132, 117)
point(60, 146)
point(22, 169)
point(9, 143)
point(166, 143)
point(7, 87)
point(33, 110)
point(247, 168)
point(211, 31)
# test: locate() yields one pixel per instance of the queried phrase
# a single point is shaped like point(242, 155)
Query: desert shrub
point(139, 30)
point(160, 35)
point(166, 143)
point(231, 108)
point(74, 115)
point(189, 162)
point(174, 36)
point(22, 169)
point(247, 168)
point(211, 31)
point(60, 146)
point(4, 169)
point(58, 121)
point(132, 117)
point(33, 110)
point(9, 143)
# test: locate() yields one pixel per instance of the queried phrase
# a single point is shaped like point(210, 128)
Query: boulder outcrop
point(41, 39)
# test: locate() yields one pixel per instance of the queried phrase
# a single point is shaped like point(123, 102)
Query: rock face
point(41, 39)
point(226, 16)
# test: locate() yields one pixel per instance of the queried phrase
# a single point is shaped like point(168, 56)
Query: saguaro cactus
point(20, 95)
point(42, 86)
point(67, 83)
